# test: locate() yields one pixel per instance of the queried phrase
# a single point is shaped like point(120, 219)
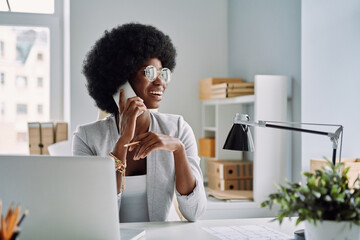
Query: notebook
point(67, 197)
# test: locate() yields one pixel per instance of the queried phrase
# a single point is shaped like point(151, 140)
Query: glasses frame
point(158, 73)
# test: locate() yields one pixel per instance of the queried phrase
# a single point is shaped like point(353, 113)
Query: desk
point(193, 230)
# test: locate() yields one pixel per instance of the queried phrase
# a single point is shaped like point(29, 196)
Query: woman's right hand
point(129, 111)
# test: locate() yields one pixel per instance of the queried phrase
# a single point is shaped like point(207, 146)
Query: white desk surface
point(194, 230)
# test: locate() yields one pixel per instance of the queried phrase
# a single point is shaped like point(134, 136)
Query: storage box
point(353, 163)
point(229, 184)
point(207, 147)
point(205, 85)
point(229, 169)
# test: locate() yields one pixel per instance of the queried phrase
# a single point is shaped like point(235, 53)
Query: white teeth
point(156, 92)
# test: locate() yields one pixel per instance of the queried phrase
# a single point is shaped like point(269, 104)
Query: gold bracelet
point(120, 167)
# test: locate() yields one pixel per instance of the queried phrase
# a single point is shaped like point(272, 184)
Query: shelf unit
point(268, 103)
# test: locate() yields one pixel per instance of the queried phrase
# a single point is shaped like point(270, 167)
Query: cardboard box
point(229, 184)
point(353, 163)
point(229, 169)
point(207, 147)
point(205, 85)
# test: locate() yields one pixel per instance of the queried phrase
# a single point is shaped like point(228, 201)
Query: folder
point(43, 134)
point(61, 131)
point(47, 136)
point(34, 130)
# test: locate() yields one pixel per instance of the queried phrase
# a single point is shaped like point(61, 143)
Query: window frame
point(22, 106)
point(55, 24)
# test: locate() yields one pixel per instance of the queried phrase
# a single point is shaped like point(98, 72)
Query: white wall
point(198, 30)
point(264, 38)
point(330, 74)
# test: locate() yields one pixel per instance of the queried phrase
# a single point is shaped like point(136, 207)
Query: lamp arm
point(334, 136)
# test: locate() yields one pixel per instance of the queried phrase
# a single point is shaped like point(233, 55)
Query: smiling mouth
point(158, 93)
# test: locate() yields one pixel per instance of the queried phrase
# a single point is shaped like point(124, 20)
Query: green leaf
point(316, 194)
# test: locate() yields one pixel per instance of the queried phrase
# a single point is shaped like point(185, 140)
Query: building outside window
point(2, 53)
point(2, 109)
point(40, 81)
point(40, 56)
point(21, 109)
point(2, 79)
point(26, 54)
point(21, 82)
point(40, 109)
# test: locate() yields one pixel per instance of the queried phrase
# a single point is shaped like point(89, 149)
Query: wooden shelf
point(235, 100)
point(268, 103)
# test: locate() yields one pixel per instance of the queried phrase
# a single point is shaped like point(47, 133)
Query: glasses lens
point(165, 75)
point(151, 73)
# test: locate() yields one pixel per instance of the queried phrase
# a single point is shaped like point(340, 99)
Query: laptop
point(67, 197)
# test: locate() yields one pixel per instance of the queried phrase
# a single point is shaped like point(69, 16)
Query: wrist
point(180, 150)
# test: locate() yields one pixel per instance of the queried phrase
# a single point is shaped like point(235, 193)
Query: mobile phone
point(129, 93)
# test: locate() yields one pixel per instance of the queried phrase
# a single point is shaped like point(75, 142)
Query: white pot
point(331, 230)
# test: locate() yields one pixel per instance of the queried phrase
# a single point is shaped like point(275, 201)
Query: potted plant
point(329, 207)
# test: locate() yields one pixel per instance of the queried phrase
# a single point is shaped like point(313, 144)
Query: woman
point(163, 158)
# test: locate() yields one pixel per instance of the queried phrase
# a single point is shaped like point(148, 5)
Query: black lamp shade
point(239, 139)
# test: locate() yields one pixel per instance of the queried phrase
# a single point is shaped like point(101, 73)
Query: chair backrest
point(62, 148)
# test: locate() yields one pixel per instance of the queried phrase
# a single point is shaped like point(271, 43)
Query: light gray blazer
point(99, 138)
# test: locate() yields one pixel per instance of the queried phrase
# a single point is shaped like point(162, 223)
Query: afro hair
point(118, 55)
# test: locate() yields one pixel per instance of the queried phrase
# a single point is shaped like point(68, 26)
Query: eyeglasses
point(152, 73)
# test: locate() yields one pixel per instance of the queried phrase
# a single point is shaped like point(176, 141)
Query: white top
point(134, 206)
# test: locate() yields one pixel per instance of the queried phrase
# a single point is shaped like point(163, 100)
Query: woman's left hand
point(151, 141)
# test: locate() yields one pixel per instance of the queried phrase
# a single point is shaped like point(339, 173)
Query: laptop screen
point(67, 197)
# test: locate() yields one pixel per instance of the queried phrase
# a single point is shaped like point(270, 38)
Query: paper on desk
point(245, 232)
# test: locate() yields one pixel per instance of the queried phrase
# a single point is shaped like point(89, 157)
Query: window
point(31, 58)
point(40, 109)
point(2, 79)
point(39, 81)
point(2, 49)
point(26, 6)
point(2, 109)
point(21, 82)
point(40, 56)
point(21, 109)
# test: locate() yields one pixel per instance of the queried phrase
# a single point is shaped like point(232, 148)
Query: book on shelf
point(229, 95)
point(233, 85)
point(233, 90)
point(205, 85)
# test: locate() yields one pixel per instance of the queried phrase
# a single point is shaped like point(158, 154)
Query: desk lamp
point(239, 137)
